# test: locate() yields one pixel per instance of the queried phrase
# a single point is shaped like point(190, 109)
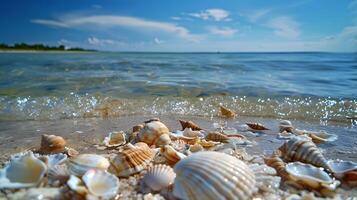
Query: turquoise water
point(317, 86)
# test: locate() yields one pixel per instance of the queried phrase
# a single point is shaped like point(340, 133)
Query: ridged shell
point(304, 150)
point(257, 126)
point(80, 164)
point(101, 184)
point(217, 137)
point(23, 170)
point(189, 124)
point(114, 139)
point(154, 133)
point(58, 173)
point(159, 177)
point(52, 144)
point(213, 176)
point(279, 165)
point(132, 160)
point(188, 132)
point(225, 112)
point(172, 156)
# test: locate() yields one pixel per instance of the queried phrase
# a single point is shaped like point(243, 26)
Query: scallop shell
point(101, 184)
point(285, 125)
point(80, 164)
point(188, 132)
point(257, 126)
point(132, 160)
point(225, 112)
point(217, 137)
point(159, 177)
point(58, 173)
point(312, 177)
point(52, 144)
point(23, 170)
point(212, 176)
point(172, 156)
point(154, 133)
point(189, 124)
point(114, 139)
point(304, 150)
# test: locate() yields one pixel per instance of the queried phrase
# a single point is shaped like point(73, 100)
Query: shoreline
point(43, 51)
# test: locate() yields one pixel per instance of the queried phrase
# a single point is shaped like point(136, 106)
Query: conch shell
point(132, 160)
point(257, 126)
point(52, 144)
point(301, 148)
point(189, 124)
point(227, 113)
point(159, 177)
point(172, 156)
point(154, 133)
point(217, 137)
point(211, 176)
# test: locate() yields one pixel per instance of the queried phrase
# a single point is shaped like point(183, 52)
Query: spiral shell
point(132, 160)
point(84, 162)
point(172, 156)
point(257, 126)
point(302, 149)
point(154, 133)
point(217, 137)
point(159, 177)
point(52, 144)
point(189, 124)
point(211, 176)
point(227, 113)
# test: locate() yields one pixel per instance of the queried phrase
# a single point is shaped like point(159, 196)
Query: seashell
point(189, 124)
point(179, 144)
point(36, 193)
point(312, 177)
point(285, 135)
point(114, 139)
point(71, 152)
point(217, 137)
point(101, 183)
point(212, 175)
point(300, 148)
point(58, 173)
point(227, 113)
point(138, 127)
point(188, 132)
point(172, 156)
point(56, 159)
point(52, 144)
point(266, 179)
point(285, 125)
point(159, 177)
point(132, 160)
point(196, 148)
point(257, 126)
point(278, 164)
point(76, 184)
point(154, 133)
point(208, 144)
point(23, 170)
point(345, 171)
point(82, 163)
point(321, 137)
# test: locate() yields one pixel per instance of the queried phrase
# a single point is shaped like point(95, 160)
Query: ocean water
point(319, 87)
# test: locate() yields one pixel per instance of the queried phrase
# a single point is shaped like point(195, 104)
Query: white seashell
point(56, 159)
point(101, 184)
point(340, 166)
point(76, 184)
point(159, 177)
point(321, 136)
point(23, 170)
point(154, 133)
point(114, 139)
point(84, 162)
point(58, 173)
point(285, 125)
point(212, 176)
point(188, 132)
point(312, 177)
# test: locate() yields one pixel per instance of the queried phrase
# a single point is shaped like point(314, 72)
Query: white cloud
point(284, 26)
point(120, 21)
point(176, 18)
point(215, 14)
point(223, 31)
point(100, 42)
point(254, 16)
point(158, 41)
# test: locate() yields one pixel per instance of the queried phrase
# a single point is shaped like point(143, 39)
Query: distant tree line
point(39, 47)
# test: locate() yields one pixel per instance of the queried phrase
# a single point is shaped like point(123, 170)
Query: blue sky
point(183, 25)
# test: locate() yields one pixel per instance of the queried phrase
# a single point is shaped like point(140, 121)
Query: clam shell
point(217, 137)
point(257, 126)
point(114, 139)
point(154, 133)
point(340, 166)
point(188, 132)
point(101, 184)
point(52, 144)
point(212, 176)
point(311, 177)
point(23, 170)
point(172, 156)
point(225, 112)
point(189, 124)
point(159, 177)
point(132, 160)
point(56, 159)
point(80, 164)
point(304, 150)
